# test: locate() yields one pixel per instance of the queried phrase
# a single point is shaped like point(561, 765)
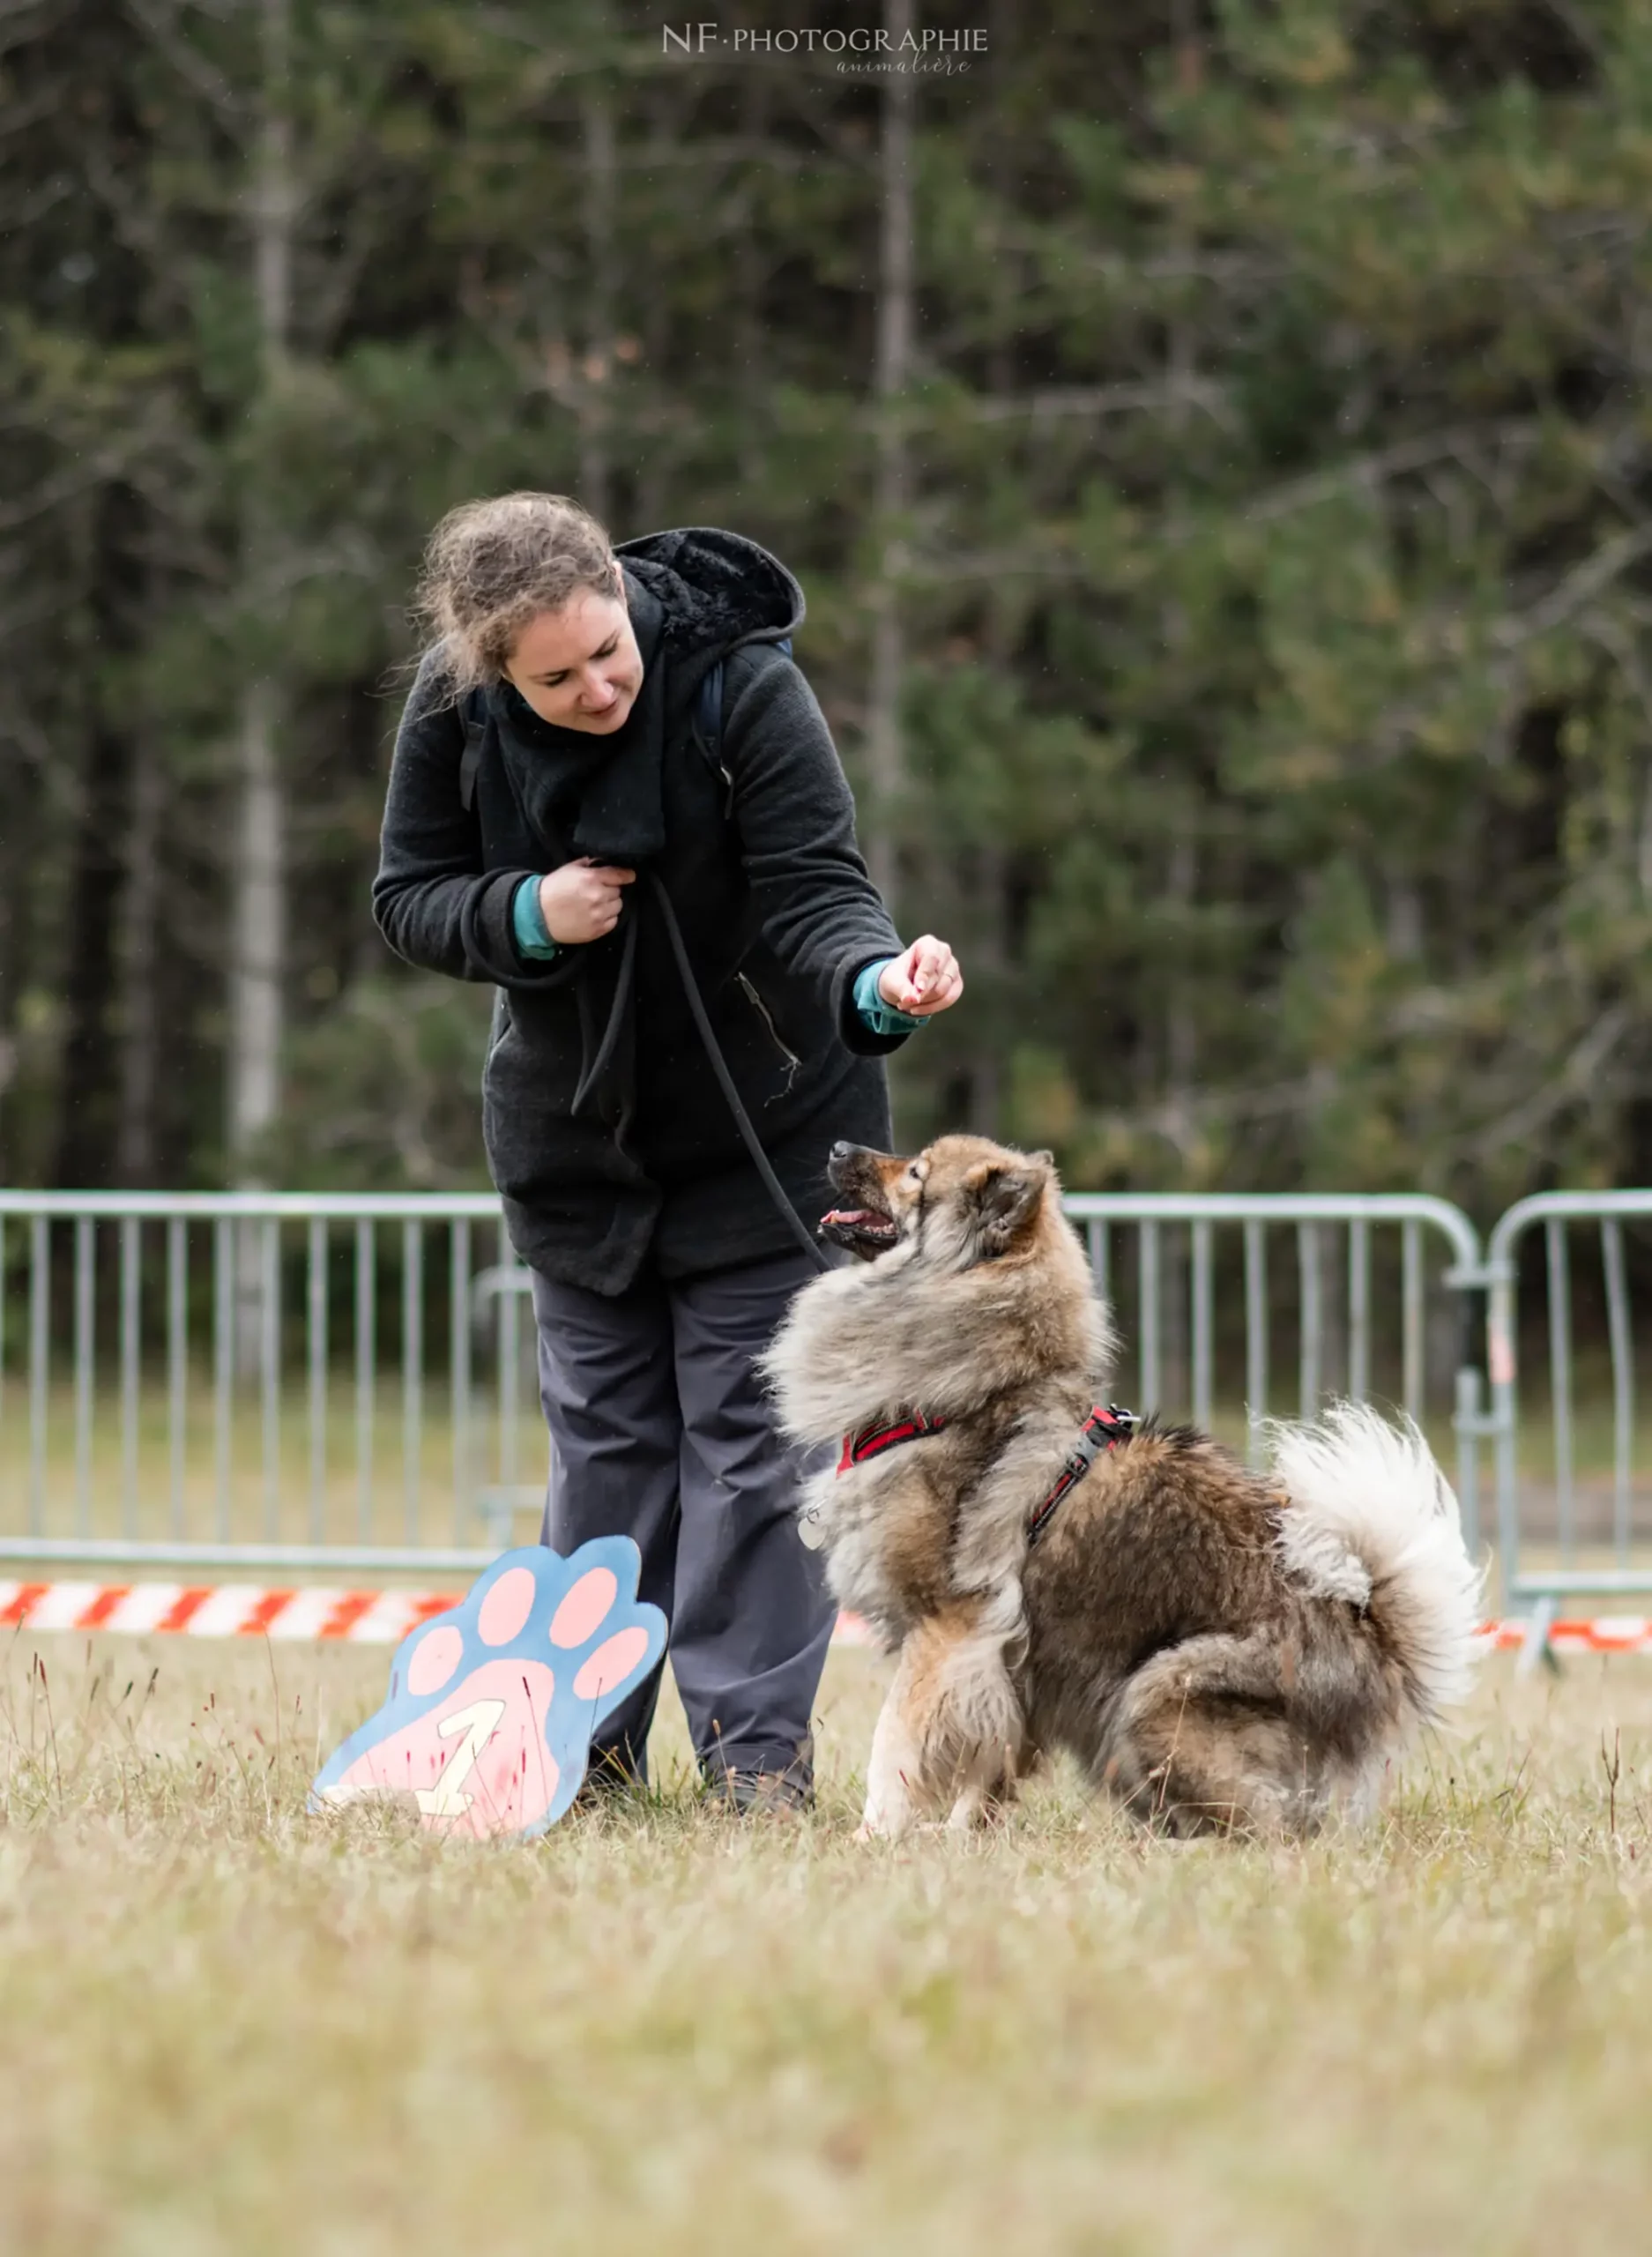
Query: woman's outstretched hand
point(582, 900)
point(923, 979)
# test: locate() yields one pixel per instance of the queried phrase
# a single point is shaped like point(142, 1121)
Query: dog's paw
point(492, 1705)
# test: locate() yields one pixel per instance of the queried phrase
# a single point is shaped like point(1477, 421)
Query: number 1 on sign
point(480, 1720)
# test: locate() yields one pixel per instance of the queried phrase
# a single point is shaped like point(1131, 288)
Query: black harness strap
point(1102, 1430)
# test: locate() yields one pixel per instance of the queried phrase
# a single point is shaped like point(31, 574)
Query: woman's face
point(579, 666)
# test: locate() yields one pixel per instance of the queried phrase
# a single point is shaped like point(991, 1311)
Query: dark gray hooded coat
point(605, 1126)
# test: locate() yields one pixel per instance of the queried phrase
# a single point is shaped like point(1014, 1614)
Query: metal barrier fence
point(1574, 1534)
point(202, 1352)
point(1338, 1240)
point(204, 1380)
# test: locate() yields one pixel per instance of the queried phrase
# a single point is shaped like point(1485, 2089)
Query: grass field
point(230, 2027)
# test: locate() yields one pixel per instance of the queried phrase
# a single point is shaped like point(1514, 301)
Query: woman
point(550, 749)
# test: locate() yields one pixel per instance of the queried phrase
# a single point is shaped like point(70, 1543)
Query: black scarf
point(603, 793)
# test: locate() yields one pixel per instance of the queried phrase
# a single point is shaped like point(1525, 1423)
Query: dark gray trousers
point(660, 1432)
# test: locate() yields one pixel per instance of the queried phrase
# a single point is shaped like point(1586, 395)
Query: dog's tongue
point(851, 1215)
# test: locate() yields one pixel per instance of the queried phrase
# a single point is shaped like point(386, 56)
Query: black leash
point(759, 1156)
point(707, 730)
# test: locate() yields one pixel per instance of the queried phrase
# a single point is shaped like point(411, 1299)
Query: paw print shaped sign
point(492, 1705)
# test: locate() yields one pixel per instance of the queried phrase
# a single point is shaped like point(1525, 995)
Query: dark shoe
point(761, 1793)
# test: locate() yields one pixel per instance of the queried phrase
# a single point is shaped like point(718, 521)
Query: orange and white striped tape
point(1608, 1634)
point(384, 1618)
point(371, 1618)
point(362, 1618)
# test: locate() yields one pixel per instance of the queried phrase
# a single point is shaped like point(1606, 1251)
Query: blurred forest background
point(1214, 440)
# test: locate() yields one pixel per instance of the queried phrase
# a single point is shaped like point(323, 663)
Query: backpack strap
point(707, 724)
point(475, 720)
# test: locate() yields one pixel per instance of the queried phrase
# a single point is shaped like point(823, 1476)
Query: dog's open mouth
point(863, 1230)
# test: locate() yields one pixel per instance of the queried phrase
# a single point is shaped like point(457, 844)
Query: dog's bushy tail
point(1373, 1519)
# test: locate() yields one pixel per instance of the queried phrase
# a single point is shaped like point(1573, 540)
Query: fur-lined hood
point(717, 590)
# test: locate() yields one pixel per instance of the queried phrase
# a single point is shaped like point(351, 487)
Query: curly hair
point(490, 567)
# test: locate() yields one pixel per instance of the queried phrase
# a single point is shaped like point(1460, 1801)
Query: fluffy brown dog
point(1219, 1648)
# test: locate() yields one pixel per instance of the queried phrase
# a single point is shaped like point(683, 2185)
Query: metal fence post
point(85, 1255)
point(316, 1328)
point(1622, 1382)
point(131, 1287)
point(1532, 1584)
point(1149, 1320)
point(366, 1377)
point(177, 1359)
point(1255, 1337)
point(412, 1338)
point(460, 1366)
point(40, 1350)
point(1309, 1335)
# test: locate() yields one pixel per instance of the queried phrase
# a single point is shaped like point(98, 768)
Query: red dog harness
point(872, 1440)
point(1102, 1430)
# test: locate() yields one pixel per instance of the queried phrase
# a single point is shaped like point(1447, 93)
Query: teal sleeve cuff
point(528, 921)
point(880, 1017)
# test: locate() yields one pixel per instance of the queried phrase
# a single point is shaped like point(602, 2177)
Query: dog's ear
point(1006, 1198)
